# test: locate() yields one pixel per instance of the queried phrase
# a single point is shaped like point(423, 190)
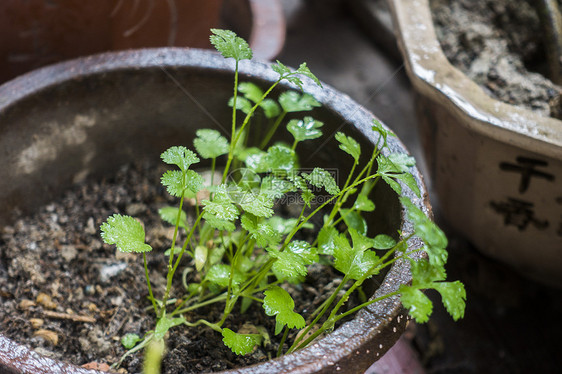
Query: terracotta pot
point(497, 168)
point(36, 33)
point(84, 118)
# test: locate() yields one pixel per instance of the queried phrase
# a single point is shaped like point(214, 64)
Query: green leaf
point(454, 297)
point(396, 166)
point(219, 224)
point(322, 179)
point(363, 204)
point(180, 156)
point(262, 232)
point(210, 143)
point(382, 131)
point(305, 129)
point(280, 158)
point(434, 239)
point(353, 262)
point(275, 187)
point(270, 108)
point(169, 214)
point(251, 91)
point(201, 253)
point(260, 205)
point(230, 45)
point(326, 238)
point(285, 225)
point(384, 242)
point(349, 145)
point(130, 340)
point(304, 70)
point(277, 302)
point(242, 104)
point(241, 344)
point(164, 324)
point(419, 305)
point(177, 182)
point(303, 249)
point(401, 161)
point(354, 220)
point(221, 206)
point(292, 101)
point(219, 274)
point(126, 233)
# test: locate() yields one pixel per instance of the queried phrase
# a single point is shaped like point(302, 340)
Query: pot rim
point(384, 320)
point(433, 75)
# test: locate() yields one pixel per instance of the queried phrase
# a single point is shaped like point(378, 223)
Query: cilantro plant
point(245, 254)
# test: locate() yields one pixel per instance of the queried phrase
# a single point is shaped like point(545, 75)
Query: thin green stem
point(280, 349)
point(273, 129)
point(148, 284)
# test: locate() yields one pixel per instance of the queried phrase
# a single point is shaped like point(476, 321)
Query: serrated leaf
point(304, 70)
point(260, 205)
point(285, 225)
point(353, 262)
point(453, 295)
point(280, 158)
point(219, 274)
point(434, 239)
point(169, 214)
point(409, 180)
point(177, 182)
point(126, 233)
point(230, 45)
point(305, 129)
point(382, 241)
point(364, 204)
point(179, 156)
point(401, 161)
point(382, 131)
point(419, 305)
point(241, 344)
point(292, 101)
point(276, 187)
point(393, 184)
point(210, 143)
point(322, 179)
point(303, 249)
point(280, 69)
point(220, 206)
point(288, 265)
point(277, 302)
point(354, 220)
point(349, 145)
point(219, 224)
point(262, 232)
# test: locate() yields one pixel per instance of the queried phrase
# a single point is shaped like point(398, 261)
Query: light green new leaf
point(241, 344)
point(177, 182)
point(201, 253)
point(250, 91)
point(180, 156)
point(210, 143)
point(292, 101)
point(322, 179)
point(304, 70)
point(382, 131)
point(130, 340)
point(277, 302)
point(169, 214)
point(230, 45)
point(305, 129)
point(126, 233)
point(349, 145)
point(270, 108)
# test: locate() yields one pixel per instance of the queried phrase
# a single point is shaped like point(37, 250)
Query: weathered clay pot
point(84, 118)
point(497, 168)
point(36, 33)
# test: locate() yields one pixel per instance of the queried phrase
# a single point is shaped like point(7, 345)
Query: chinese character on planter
point(518, 213)
point(527, 168)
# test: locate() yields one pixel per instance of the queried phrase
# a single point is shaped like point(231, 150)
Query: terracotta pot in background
point(35, 33)
point(89, 128)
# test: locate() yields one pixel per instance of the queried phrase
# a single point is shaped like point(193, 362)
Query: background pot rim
point(341, 349)
point(433, 75)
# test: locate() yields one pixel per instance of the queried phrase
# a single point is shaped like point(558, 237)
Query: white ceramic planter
point(496, 168)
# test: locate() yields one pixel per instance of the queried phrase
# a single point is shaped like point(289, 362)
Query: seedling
point(245, 254)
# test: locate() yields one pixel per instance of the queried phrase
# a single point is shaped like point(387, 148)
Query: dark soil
point(498, 44)
point(69, 296)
